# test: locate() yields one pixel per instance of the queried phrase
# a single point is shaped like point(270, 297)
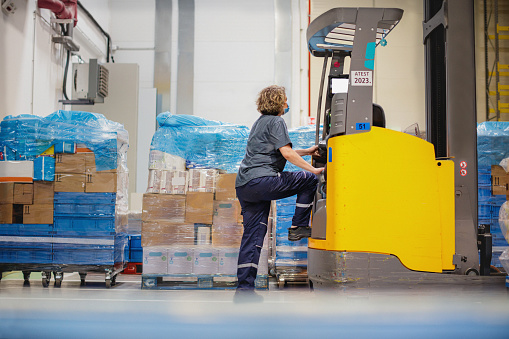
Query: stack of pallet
point(493, 156)
point(57, 207)
point(192, 225)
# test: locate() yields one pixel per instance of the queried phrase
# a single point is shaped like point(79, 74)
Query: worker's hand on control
point(313, 150)
point(318, 171)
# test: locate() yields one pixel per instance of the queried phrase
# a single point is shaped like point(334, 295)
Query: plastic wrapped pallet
point(202, 143)
point(492, 141)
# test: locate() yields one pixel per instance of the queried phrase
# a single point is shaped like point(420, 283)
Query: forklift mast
point(448, 33)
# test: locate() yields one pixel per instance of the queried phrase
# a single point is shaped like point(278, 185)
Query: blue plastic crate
point(84, 250)
point(27, 242)
point(136, 255)
point(126, 252)
point(84, 204)
point(93, 226)
point(484, 176)
point(484, 192)
point(135, 241)
point(484, 211)
point(25, 256)
point(26, 229)
point(282, 240)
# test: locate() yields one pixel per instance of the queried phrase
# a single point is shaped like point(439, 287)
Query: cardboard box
point(154, 181)
point(69, 182)
point(155, 260)
point(163, 233)
point(180, 260)
point(44, 192)
point(199, 207)
point(227, 212)
point(6, 193)
point(90, 164)
point(16, 193)
point(11, 214)
point(205, 260)
point(38, 214)
point(228, 258)
point(202, 180)
point(16, 171)
point(101, 182)
point(498, 180)
point(170, 208)
point(70, 163)
point(227, 235)
point(23, 194)
point(174, 182)
point(225, 187)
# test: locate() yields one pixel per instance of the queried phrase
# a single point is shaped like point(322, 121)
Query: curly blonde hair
point(271, 100)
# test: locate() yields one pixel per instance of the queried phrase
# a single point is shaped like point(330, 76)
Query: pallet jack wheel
point(26, 278)
point(281, 282)
point(108, 280)
point(83, 276)
point(46, 277)
point(59, 276)
point(310, 285)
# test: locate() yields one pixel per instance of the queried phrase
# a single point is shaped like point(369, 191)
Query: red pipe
point(67, 9)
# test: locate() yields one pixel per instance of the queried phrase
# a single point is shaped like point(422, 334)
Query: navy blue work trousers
point(255, 198)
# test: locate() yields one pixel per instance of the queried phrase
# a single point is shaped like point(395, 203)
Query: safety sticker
point(463, 172)
point(463, 164)
point(361, 78)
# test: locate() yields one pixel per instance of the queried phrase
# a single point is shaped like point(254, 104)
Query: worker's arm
point(294, 157)
point(308, 151)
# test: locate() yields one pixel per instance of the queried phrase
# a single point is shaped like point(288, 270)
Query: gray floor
point(460, 307)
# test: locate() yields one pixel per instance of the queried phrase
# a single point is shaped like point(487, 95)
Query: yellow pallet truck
point(386, 205)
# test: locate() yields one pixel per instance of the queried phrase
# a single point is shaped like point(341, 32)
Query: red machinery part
point(63, 9)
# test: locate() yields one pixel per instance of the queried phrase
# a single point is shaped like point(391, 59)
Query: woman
point(261, 179)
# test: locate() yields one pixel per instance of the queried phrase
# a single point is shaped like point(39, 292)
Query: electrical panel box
point(90, 82)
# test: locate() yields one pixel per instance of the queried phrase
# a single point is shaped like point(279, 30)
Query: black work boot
point(299, 232)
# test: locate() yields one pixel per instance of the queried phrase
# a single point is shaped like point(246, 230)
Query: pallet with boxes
point(58, 212)
point(191, 230)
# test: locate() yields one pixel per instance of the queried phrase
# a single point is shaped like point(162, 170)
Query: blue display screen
point(363, 126)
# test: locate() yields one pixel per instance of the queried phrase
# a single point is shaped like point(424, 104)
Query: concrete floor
point(457, 308)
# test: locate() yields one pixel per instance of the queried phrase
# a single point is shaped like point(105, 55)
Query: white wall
point(31, 66)
point(234, 58)
point(132, 31)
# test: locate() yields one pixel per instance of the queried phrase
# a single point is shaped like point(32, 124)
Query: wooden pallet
point(196, 282)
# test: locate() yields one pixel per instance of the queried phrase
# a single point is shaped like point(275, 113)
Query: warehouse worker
point(261, 179)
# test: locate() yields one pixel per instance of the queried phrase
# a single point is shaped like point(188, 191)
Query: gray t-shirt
point(263, 158)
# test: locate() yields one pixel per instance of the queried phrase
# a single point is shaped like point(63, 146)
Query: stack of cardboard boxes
point(197, 231)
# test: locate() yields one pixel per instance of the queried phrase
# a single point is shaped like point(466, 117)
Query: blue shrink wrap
point(44, 168)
